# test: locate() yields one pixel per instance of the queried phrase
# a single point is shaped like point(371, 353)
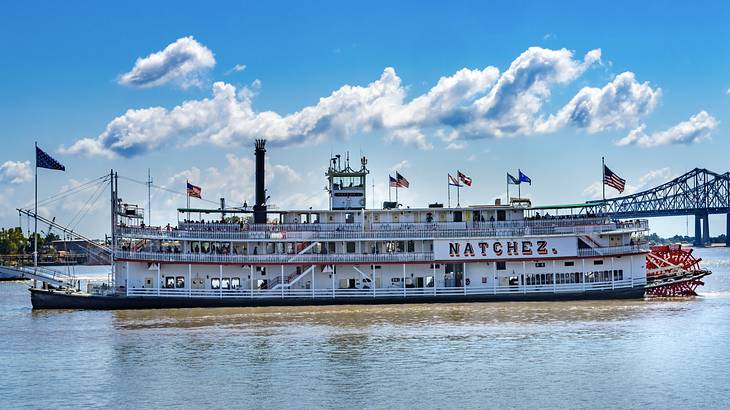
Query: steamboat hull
point(49, 299)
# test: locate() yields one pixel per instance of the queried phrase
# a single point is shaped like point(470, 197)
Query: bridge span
point(699, 192)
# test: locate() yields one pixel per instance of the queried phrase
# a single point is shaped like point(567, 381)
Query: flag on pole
point(613, 180)
point(463, 178)
point(512, 180)
point(393, 182)
point(43, 160)
point(524, 178)
point(402, 181)
point(453, 181)
point(195, 191)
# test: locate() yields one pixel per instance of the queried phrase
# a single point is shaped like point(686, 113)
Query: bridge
point(699, 192)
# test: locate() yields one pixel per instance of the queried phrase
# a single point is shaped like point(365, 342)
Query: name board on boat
point(508, 248)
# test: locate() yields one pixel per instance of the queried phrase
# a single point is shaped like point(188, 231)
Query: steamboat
point(348, 254)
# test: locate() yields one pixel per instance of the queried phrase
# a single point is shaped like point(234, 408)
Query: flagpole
point(390, 189)
point(508, 188)
point(187, 194)
point(35, 228)
point(603, 177)
point(519, 186)
point(603, 181)
point(448, 190)
point(458, 186)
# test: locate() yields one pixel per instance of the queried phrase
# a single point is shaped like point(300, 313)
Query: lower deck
point(142, 279)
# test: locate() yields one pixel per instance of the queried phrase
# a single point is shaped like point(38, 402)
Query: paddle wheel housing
point(673, 271)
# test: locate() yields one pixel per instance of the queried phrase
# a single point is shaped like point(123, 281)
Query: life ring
point(468, 281)
point(362, 202)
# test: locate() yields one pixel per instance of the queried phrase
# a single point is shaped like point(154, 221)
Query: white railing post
point(404, 280)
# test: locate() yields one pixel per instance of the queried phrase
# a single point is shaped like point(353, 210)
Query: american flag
point(43, 160)
point(194, 191)
point(463, 178)
point(393, 182)
point(613, 180)
point(402, 181)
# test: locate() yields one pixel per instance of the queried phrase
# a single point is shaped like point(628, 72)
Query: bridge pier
point(698, 230)
point(706, 230)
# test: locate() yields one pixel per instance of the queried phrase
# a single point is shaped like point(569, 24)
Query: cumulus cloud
point(235, 182)
point(183, 63)
point(469, 104)
point(698, 128)
point(619, 104)
point(16, 172)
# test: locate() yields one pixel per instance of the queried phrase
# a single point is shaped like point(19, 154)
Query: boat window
point(411, 246)
point(540, 264)
point(349, 218)
point(501, 265)
point(170, 282)
point(180, 282)
point(215, 283)
point(350, 247)
point(226, 284)
point(570, 263)
point(598, 262)
point(235, 283)
point(457, 216)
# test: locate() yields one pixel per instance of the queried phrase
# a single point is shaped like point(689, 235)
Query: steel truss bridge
point(699, 192)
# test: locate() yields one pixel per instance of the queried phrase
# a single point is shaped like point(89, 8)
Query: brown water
point(615, 354)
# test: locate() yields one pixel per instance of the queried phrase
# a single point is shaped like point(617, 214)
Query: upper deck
point(391, 230)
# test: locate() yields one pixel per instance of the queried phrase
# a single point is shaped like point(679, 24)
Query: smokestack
point(259, 209)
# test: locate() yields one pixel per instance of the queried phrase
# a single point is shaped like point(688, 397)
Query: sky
point(423, 88)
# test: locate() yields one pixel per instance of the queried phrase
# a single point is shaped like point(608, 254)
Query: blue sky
point(70, 70)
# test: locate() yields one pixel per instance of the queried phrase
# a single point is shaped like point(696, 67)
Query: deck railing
point(296, 232)
point(317, 258)
point(277, 258)
point(389, 292)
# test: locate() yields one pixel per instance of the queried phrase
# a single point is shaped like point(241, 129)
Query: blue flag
point(512, 180)
point(524, 178)
point(43, 160)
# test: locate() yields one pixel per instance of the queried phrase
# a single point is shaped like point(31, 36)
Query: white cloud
point(470, 104)
point(235, 182)
point(619, 104)
point(236, 69)
point(456, 145)
point(698, 128)
point(16, 172)
point(405, 164)
point(183, 63)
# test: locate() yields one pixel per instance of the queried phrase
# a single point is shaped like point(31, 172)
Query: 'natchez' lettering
point(497, 248)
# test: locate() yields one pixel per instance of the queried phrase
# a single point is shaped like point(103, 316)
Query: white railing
point(613, 250)
point(284, 232)
point(389, 292)
point(284, 258)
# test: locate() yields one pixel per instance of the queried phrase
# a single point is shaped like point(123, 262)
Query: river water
point(614, 354)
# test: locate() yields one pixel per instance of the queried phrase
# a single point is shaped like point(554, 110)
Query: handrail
point(389, 292)
point(396, 231)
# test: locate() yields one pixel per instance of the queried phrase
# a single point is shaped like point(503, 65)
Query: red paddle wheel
point(673, 271)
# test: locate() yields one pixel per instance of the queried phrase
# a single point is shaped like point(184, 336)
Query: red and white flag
point(463, 178)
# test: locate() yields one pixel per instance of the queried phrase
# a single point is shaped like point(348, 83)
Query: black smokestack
point(259, 209)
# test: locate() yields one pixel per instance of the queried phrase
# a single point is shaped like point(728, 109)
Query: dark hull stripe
point(44, 299)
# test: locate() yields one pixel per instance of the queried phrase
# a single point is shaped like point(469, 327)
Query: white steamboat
point(348, 254)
